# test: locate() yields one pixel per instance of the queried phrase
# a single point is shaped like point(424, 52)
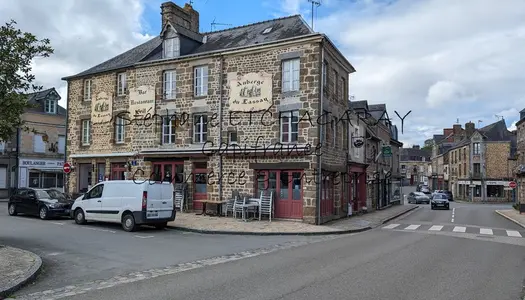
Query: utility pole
point(317, 4)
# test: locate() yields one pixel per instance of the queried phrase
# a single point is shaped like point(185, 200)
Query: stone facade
point(519, 170)
point(497, 160)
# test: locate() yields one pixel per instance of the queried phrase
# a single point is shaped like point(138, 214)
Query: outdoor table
point(204, 202)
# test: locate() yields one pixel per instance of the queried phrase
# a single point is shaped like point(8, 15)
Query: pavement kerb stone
point(29, 276)
point(229, 232)
point(486, 202)
point(510, 219)
point(399, 214)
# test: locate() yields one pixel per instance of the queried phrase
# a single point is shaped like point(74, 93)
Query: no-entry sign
point(513, 184)
point(67, 168)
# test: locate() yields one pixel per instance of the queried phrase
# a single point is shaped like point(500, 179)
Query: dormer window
point(171, 47)
point(50, 106)
point(267, 30)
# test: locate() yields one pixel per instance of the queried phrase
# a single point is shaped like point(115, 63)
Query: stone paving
point(192, 221)
point(513, 215)
point(16, 267)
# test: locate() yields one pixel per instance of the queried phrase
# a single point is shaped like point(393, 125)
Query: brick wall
point(496, 159)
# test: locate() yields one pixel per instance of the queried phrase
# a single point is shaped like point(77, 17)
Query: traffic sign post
point(513, 184)
point(67, 168)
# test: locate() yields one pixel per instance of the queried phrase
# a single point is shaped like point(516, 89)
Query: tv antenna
point(214, 24)
point(314, 4)
point(457, 120)
point(499, 117)
point(479, 121)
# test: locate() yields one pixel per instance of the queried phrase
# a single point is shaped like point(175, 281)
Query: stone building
point(520, 168)
point(259, 106)
point(35, 155)
point(414, 165)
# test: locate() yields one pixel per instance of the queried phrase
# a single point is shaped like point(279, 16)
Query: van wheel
point(161, 225)
point(12, 210)
point(80, 218)
point(128, 223)
point(42, 213)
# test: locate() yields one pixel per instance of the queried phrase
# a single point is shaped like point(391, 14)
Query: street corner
point(17, 267)
point(512, 215)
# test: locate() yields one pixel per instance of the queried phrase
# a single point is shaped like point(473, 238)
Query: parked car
point(127, 202)
point(418, 197)
point(449, 194)
point(439, 200)
point(59, 195)
point(425, 189)
point(37, 202)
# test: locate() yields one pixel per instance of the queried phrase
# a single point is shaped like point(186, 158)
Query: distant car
point(449, 194)
point(37, 202)
point(439, 200)
point(424, 189)
point(418, 197)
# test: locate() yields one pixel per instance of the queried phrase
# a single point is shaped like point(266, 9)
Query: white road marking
point(54, 253)
point(412, 227)
point(96, 229)
point(452, 221)
point(57, 223)
point(485, 231)
point(391, 226)
point(144, 236)
point(513, 233)
point(436, 228)
point(453, 214)
point(459, 229)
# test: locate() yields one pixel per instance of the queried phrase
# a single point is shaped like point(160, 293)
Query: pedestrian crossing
point(459, 229)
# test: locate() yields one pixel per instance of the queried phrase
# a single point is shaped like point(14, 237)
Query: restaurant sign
point(251, 92)
point(101, 108)
point(142, 100)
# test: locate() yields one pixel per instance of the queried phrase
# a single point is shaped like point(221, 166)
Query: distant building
point(414, 165)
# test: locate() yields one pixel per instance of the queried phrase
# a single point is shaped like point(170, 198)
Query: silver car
point(439, 200)
point(418, 197)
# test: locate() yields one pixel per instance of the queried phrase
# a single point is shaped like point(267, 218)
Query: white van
point(131, 203)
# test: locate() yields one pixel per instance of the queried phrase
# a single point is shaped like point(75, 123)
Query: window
point(477, 169)
point(50, 106)
point(168, 130)
point(61, 144)
point(171, 47)
point(495, 191)
point(164, 171)
point(325, 76)
point(169, 84)
point(118, 171)
point(200, 128)
point(335, 76)
point(476, 150)
point(465, 169)
point(3, 177)
point(290, 75)
point(96, 192)
point(2, 147)
point(119, 130)
point(86, 132)
point(464, 154)
point(267, 30)
point(201, 81)
point(460, 174)
point(232, 137)
point(342, 88)
point(87, 90)
point(38, 144)
point(334, 131)
point(122, 84)
point(289, 126)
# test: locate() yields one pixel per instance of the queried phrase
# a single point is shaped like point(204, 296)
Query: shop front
point(41, 173)
point(357, 186)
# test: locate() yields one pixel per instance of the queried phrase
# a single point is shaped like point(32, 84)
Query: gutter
point(320, 135)
point(66, 177)
point(220, 121)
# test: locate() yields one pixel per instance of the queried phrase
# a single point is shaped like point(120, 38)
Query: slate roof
point(407, 154)
point(247, 35)
point(361, 104)
point(38, 98)
point(377, 110)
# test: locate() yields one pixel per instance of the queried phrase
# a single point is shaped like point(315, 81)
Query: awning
point(99, 155)
point(47, 170)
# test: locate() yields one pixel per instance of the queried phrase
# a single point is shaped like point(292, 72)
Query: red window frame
point(173, 165)
point(116, 168)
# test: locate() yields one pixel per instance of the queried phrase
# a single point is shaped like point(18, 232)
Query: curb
point(486, 202)
point(29, 276)
point(338, 232)
point(399, 214)
point(510, 219)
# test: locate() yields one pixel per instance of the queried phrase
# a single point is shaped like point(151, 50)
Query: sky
point(443, 60)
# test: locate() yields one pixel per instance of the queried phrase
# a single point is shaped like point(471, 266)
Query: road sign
point(513, 184)
point(67, 168)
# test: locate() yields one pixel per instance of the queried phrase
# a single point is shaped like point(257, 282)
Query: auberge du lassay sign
point(251, 92)
point(102, 108)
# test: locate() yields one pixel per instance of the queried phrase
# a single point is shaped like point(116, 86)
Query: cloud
point(513, 126)
point(443, 59)
point(83, 33)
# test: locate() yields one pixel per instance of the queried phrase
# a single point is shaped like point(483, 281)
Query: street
point(467, 252)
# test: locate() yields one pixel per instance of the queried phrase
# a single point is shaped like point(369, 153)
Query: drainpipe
point(320, 135)
point(65, 178)
point(17, 157)
point(220, 123)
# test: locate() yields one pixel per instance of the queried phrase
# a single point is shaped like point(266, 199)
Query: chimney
point(447, 132)
point(186, 17)
point(458, 132)
point(415, 146)
point(469, 128)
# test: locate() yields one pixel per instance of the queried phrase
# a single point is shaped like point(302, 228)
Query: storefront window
point(34, 180)
point(396, 191)
point(477, 191)
point(495, 191)
point(49, 180)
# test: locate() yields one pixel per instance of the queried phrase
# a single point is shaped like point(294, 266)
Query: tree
point(17, 51)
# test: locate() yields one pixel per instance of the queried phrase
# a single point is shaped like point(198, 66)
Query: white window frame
point(62, 149)
point(169, 84)
point(120, 130)
point(86, 132)
point(200, 128)
point(87, 89)
point(171, 47)
point(168, 130)
point(200, 82)
point(230, 140)
point(291, 75)
point(289, 115)
point(122, 84)
point(50, 106)
point(38, 139)
point(476, 148)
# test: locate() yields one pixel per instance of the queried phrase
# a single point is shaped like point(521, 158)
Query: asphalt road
point(384, 263)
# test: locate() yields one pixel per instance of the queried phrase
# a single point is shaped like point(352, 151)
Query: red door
point(199, 187)
point(287, 189)
point(118, 171)
point(327, 196)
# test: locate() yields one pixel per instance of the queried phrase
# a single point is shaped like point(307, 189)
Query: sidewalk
point(229, 225)
point(513, 215)
point(17, 267)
